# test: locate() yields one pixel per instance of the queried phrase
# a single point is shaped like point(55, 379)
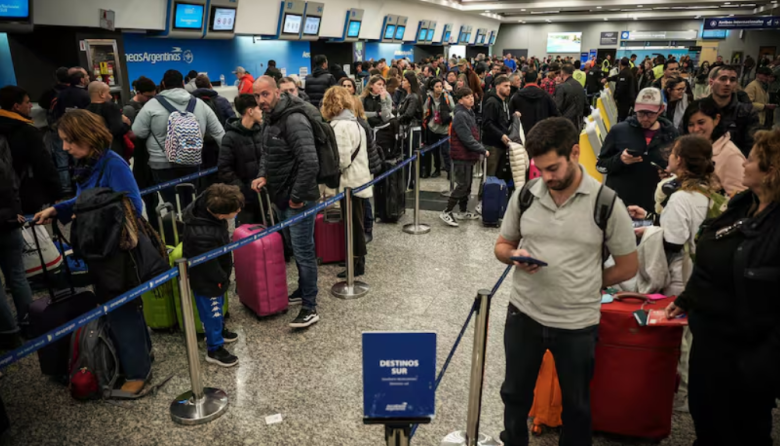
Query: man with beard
point(635, 147)
point(736, 117)
point(557, 307)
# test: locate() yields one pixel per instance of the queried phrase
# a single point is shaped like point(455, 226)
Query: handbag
point(31, 259)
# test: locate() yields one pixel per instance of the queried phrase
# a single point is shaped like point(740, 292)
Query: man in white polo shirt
point(557, 307)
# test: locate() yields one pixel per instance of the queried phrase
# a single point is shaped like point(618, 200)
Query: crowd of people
point(675, 157)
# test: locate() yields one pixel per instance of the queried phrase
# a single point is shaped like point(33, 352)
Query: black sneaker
point(305, 318)
point(228, 336)
point(221, 357)
point(295, 298)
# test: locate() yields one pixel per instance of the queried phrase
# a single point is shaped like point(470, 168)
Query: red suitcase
point(329, 241)
point(635, 377)
point(261, 273)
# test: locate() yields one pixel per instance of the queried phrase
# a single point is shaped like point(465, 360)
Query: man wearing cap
point(245, 80)
point(631, 148)
point(758, 91)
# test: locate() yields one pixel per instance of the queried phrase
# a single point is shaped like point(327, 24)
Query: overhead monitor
point(353, 30)
point(447, 36)
point(14, 9)
point(312, 26)
point(564, 42)
point(493, 38)
point(481, 38)
point(422, 34)
point(390, 32)
point(188, 16)
point(292, 24)
point(222, 19)
point(468, 38)
point(399, 32)
point(430, 35)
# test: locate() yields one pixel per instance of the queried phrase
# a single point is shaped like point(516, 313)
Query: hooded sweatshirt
point(534, 105)
point(152, 124)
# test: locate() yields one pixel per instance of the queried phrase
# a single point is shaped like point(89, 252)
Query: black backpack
point(602, 210)
point(212, 103)
point(325, 142)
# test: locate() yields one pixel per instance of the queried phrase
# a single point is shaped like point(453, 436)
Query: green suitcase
point(176, 254)
point(159, 303)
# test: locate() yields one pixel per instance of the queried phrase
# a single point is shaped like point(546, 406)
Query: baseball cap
point(649, 99)
point(239, 70)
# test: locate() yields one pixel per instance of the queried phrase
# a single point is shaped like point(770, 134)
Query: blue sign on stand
point(742, 23)
point(399, 372)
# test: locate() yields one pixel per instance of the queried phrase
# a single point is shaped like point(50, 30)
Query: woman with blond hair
point(338, 108)
point(124, 264)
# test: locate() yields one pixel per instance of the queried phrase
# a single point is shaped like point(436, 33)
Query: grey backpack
point(94, 368)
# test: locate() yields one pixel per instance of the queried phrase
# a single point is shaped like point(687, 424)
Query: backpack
point(325, 143)
point(212, 103)
point(183, 141)
point(9, 181)
point(94, 367)
point(602, 210)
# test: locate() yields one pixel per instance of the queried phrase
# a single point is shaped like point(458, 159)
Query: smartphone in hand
point(528, 260)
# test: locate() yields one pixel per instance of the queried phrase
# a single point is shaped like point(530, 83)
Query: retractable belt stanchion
point(417, 228)
point(397, 435)
point(351, 288)
point(471, 436)
point(201, 404)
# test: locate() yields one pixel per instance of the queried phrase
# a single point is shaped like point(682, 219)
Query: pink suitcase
point(261, 273)
point(329, 241)
point(533, 172)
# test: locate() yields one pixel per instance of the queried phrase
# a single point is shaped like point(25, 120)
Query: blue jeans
point(62, 161)
point(210, 310)
point(368, 216)
point(11, 247)
point(132, 341)
point(525, 342)
point(302, 238)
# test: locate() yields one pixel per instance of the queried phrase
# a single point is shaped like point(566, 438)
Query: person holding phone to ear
point(633, 146)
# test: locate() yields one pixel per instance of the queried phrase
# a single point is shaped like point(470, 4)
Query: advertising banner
point(609, 38)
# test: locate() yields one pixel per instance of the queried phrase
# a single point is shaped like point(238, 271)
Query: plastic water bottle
point(222, 80)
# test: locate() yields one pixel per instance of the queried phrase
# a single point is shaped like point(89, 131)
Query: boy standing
point(206, 228)
point(465, 150)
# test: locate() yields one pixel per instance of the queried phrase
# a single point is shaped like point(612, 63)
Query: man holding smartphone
point(633, 149)
point(557, 307)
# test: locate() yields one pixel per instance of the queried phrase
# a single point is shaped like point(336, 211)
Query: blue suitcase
point(495, 196)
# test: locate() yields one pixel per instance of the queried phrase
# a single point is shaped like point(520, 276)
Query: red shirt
point(548, 85)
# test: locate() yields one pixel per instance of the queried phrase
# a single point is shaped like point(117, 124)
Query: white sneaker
point(466, 216)
point(448, 218)
point(478, 209)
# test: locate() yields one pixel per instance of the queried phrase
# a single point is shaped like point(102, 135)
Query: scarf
point(679, 112)
point(84, 167)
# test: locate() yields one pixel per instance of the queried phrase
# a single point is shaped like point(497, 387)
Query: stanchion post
point(471, 436)
point(200, 404)
point(351, 288)
point(416, 228)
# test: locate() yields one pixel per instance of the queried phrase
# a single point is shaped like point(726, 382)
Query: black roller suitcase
point(50, 312)
point(390, 195)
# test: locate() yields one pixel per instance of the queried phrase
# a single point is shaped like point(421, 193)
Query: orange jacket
point(245, 85)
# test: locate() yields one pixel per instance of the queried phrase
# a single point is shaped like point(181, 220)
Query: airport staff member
point(557, 307)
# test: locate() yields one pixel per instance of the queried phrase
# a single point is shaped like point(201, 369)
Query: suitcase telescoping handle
point(169, 208)
point(626, 295)
point(262, 210)
point(46, 277)
point(180, 188)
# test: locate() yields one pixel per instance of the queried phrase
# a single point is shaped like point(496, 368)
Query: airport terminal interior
point(421, 270)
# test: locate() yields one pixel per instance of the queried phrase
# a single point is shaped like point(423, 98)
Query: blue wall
point(389, 51)
point(7, 75)
point(152, 57)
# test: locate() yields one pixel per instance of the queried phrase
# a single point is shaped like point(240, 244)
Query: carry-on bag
point(329, 236)
point(495, 196)
point(159, 303)
point(58, 308)
point(635, 377)
point(390, 195)
point(261, 273)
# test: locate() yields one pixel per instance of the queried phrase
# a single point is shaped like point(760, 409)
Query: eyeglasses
point(646, 114)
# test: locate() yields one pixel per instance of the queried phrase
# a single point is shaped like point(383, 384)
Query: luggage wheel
point(319, 261)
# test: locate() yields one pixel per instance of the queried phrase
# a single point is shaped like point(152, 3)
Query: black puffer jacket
point(317, 83)
point(534, 105)
point(410, 110)
point(378, 111)
point(635, 183)
point(240, 155)
point(495, 119)
point(202, 233)
point(33, 164)
point(739, 119)
point(570, 99)
point(290, 164)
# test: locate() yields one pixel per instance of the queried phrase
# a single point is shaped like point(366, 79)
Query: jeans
point(169, 194)
point(210, 310)
point(11, 247)
point(62, 161)
point(302, 238)
point(525, 342)
point(463, 176)
point(132, 341)
point(368, 216)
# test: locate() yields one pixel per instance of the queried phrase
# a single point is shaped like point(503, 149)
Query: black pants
point(169, 193)
point(463, 175)
point(728, 407)
point(358, 228)
point(435, 154)
point(623, 110)
point(525, 342)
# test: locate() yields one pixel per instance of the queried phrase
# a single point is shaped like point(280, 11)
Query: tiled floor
point(312, 378)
